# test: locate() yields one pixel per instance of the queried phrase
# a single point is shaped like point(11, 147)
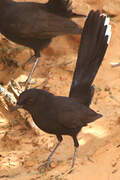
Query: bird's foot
point(46, 166)
point(28, 84)
point(24, 83)
point(70, 171)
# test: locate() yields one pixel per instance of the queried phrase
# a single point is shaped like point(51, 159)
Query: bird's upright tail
point(94, 41)
point(62, 8)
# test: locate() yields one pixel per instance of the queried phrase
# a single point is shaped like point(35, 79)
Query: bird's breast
point(45, 122)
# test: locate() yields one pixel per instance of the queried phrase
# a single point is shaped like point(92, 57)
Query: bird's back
point(61, 115)
point(32, 24)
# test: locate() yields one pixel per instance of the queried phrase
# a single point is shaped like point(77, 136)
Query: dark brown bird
point(67, 115)
point(34, 24)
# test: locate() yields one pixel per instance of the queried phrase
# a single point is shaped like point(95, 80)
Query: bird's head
point(27, 99)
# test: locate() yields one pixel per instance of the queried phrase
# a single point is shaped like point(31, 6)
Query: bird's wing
point(94, 41)
point(62, 8)
point(33, 21)
point(71, 114)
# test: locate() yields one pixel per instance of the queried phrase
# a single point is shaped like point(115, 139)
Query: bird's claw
point(47, 165)
point(24, 83)
point(70, 171)
point(44, 167)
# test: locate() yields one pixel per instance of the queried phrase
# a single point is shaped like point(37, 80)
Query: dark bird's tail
point(94, 41)
point(62, 8)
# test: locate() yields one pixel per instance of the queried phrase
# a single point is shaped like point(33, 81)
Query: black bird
point(67, 115)
point(34, 24)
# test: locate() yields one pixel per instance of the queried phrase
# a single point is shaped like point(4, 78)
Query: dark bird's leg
point(30, 74)
point(36, 60)
point(51, 154)
point(27, 82)
point(74, 158)
point(75, 153)
point(30, 60)
point(46, 164)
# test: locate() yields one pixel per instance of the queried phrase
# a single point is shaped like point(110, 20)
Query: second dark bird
point(67, 115)
point(34, 24)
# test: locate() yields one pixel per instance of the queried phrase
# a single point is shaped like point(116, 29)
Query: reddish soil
point(24, 149)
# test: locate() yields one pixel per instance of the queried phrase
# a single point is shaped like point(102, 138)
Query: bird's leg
point(30, 74)
point(74, 158)
point(27, 82)
point(32, 58)
point(76, 144)
point(47, 162)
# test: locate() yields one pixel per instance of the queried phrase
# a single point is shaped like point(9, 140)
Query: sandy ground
point(24, 149)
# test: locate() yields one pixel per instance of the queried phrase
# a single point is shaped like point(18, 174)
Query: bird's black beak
point(14, 108)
